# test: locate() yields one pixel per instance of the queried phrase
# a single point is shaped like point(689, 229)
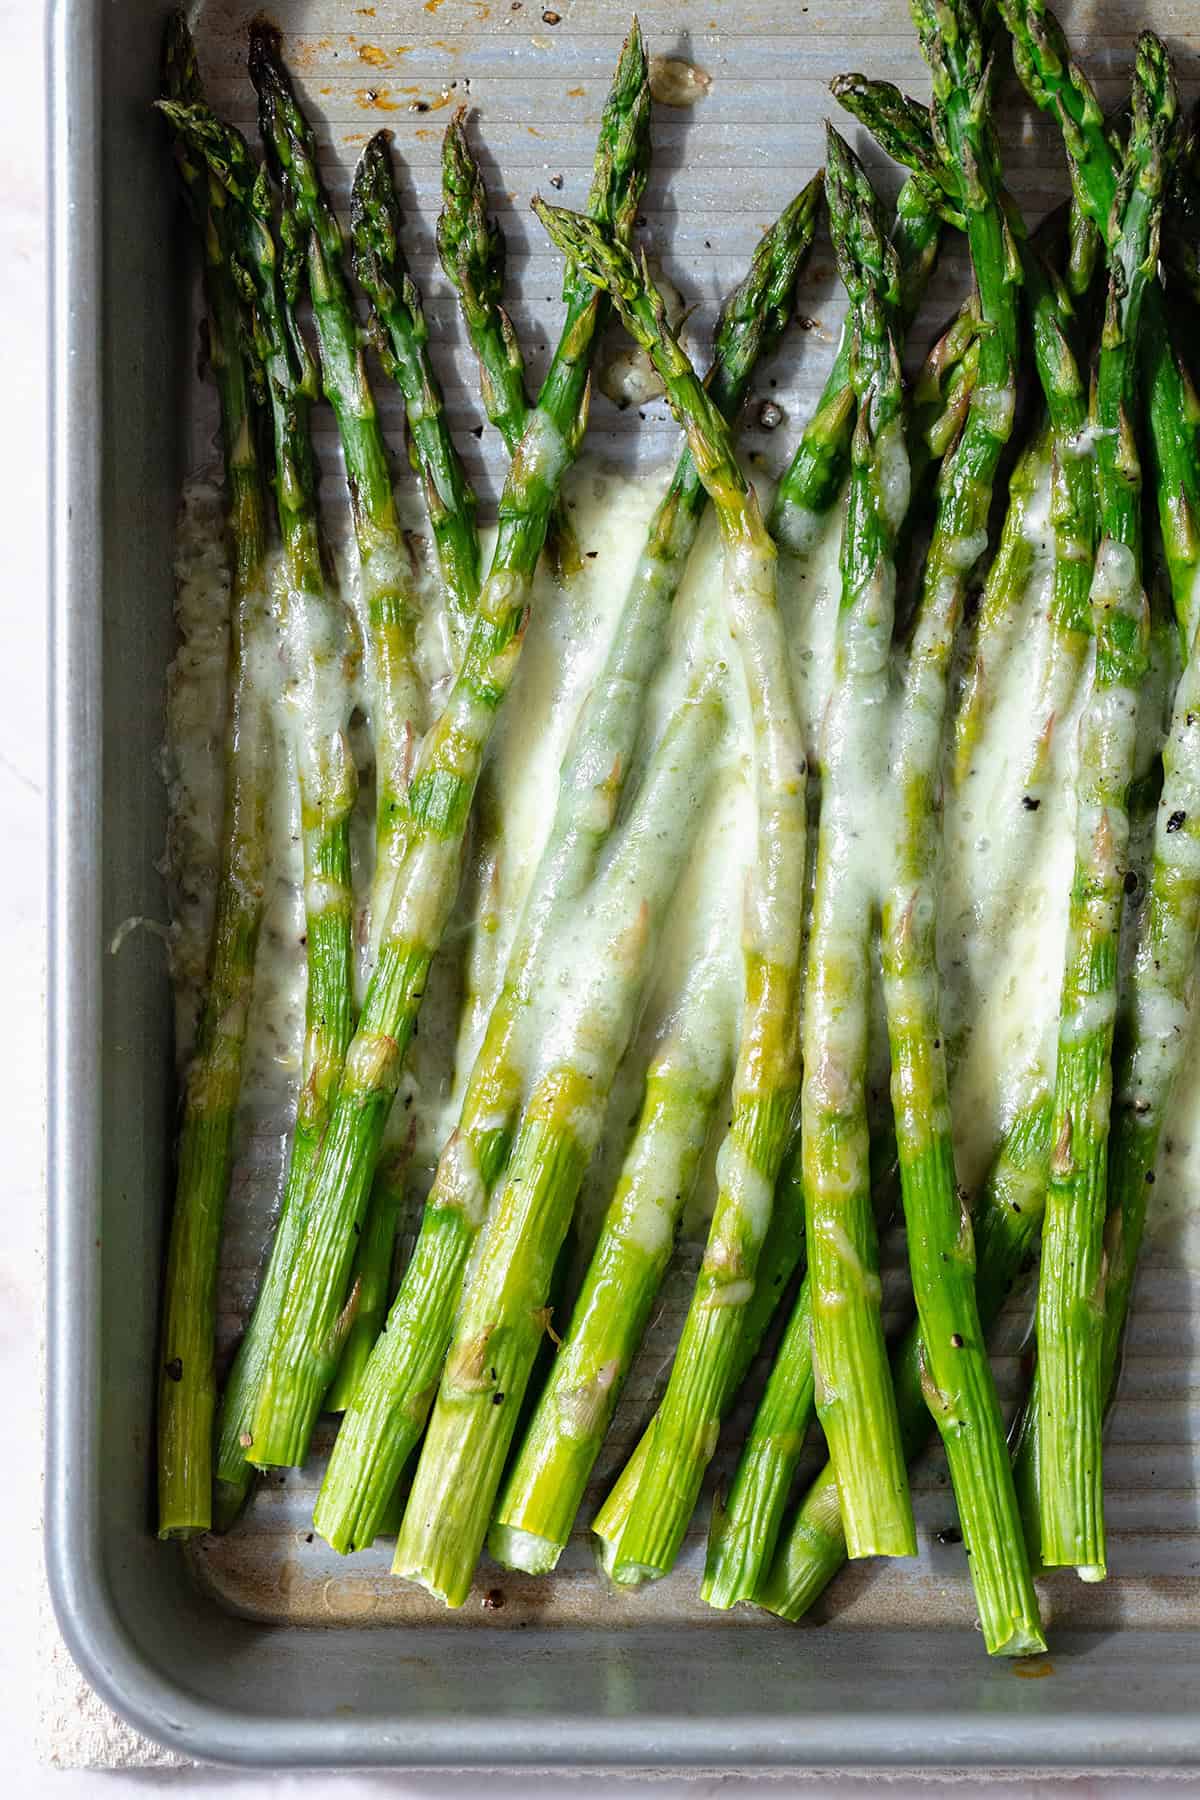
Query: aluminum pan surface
point(897, 1677)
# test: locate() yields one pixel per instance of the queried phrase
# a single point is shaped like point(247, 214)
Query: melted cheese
point(1001, 938)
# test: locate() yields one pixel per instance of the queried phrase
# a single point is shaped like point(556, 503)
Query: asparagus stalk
point(402, 336)
point(958, 1382)
point(854, 1396)
point(1007, 579)
point(1007, 1222)
point(389, 600)
point(742, 1533)
point(384, 1424)
point(843, 1321)
point(777, 1266)
point(766, 1073)
point(371, 1277)
point(471, 248)
point(504, 1310)
point(1155, 1029)
point(1070, 1317)
point(1055, 83)
point(811, 483)
point(814, 479)
point(313, 1322)
point(941, 394)
point(905, 129)
point(1066, 442)
point(687, 1074)
point(187, 1382)
point(545, 1486)
point(327, 778)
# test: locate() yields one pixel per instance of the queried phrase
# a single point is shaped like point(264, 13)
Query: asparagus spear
point(389, 600)
point(843, 1321)
point(854, 1396)
point(906, 130)
point(313, 1323)
point(1155, 1033)
point(471, 248)
point(1070, 1317)
point(327, 777)
point(389, 1414)
point(777, 1265)
point(766, 1074)
point(745, 1528)
point(813, 479)
point(371, 1278)
point(187, 1383)
point(504, 1310)
point(402, 336)
point(1055, 82)
point(957, 1376)
point(687, 1074)
point(943, 388)
point(546, 1484)
point(1064, 444)
point(1007, 1222)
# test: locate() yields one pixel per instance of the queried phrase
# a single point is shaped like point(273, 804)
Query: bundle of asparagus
point(769, 1051)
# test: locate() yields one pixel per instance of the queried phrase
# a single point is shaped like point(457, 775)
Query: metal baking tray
point(266, 1649)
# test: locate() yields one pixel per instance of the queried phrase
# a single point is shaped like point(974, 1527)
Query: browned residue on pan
point(371, 53)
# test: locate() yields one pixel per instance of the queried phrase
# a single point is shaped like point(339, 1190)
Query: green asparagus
point(1007, 1222)
point(471, 248)
point(370, 1278)
point(504, 1310)
point(313, 1321)
point(389, 599)
point(1154, 1033)
point(402, 336)
point(687, 1074)
point(1055, 82)
point(836, 1156)
point(327, 778)
point(957, 1376)
point(546, 1483)
point(1070, 1317)
point(810, 485)
point(853, 1391)
point(187, 1380)
point(384, 1425)
point(765, 1079)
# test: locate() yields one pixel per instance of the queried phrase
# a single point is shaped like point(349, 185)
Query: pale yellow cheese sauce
point(1005, 877)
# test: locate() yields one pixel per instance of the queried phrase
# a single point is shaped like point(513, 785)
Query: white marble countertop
point(22, 787)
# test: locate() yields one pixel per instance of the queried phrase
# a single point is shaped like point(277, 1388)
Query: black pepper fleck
point(951, 1535)
point(1030, 803)
point(1131, 881)
point(956, 1340)
point(175, 1369)
point(1176, 821)
point(493, 1600)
